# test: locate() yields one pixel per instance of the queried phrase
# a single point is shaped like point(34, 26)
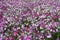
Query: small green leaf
point(56, 20)
point(58, 33)
point(15, 37)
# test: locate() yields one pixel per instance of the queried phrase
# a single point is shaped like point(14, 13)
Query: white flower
point(49, 36)
point(41, 27)
point(43, 16)
point(42, 31)
point(59, 18)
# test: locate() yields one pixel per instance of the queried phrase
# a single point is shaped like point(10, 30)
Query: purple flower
point(58, 38)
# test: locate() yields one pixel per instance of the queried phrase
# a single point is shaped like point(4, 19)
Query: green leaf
point(56, 20)
point(8, 33)
point(58, 33)
point(54, 36)
point(15, 38)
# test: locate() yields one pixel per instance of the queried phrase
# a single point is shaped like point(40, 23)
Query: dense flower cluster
point(29, 19)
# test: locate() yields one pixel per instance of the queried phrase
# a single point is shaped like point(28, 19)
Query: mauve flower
point(58, 38)
point(21, 37)
point(3, 6)
point(47, 27)
point(14, 29)
point(36, 15)
point(30, 30)
point(0, 36)
point(47, 14)
point(43, 15)
point(1, 0)
point(10, 38)
point(27, 38)
point(14, 33)
point(6, 38)
point(1, 16)
point(1, 29)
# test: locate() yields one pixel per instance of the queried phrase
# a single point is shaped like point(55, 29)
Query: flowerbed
point(29, 20)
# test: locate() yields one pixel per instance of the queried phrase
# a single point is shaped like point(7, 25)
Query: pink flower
point(0, 38)
point(21, 37)
point(27, 37)
point(6, 38)
point(3, 6)
point(54, 17)
point(1, 16)
point(10, 38)
point(58, 38)
point(14, 33)
point(47, 27)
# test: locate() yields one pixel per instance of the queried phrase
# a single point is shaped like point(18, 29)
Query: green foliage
point(58, 33)
point(54, 36)
point(26, 21)
point(56, 20)
point(15, 37)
